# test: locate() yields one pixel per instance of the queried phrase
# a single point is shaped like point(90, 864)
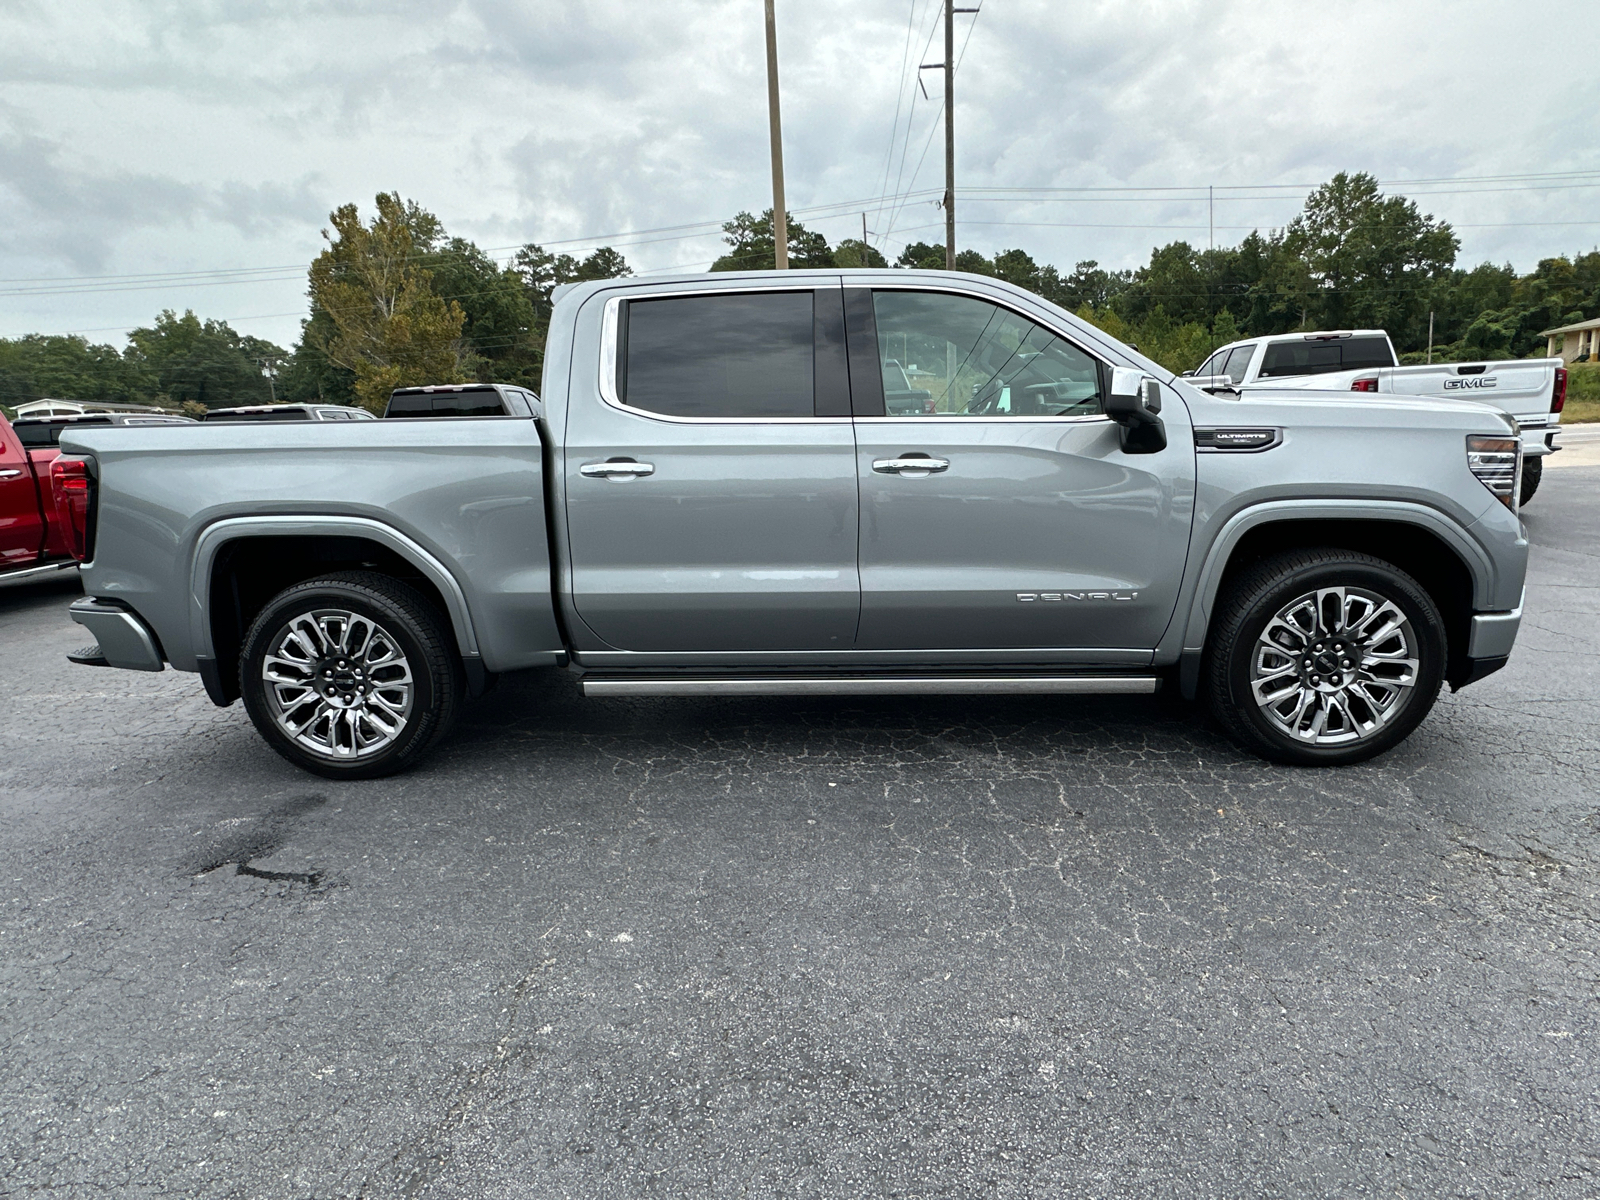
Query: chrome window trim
point(608, 354)
point(978, 419)
point(973, 293)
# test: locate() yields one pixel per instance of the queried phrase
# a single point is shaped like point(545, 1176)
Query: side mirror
point(1186, 374)
point(1135, 405)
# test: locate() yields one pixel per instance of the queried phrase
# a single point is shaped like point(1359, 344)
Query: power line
point(150, 281)
point(899, 101)
point(931, 131)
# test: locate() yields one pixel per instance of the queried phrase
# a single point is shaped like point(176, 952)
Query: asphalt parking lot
point(729, 948)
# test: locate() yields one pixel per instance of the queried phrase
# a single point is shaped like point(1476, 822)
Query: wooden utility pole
point(949, 68)
point(780, 214)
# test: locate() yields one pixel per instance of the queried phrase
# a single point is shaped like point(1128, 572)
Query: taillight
point(1558, 394)
point(1496, 462)
point(70, 480)
point(1364, 385)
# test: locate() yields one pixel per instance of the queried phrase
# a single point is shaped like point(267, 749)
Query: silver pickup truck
point(714, 497)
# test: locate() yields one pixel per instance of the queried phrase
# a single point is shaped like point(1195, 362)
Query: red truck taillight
point(1364, 385)
point(1558, 394)
point(72, 484)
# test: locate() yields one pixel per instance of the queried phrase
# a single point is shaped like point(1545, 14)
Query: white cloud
point(147, 137)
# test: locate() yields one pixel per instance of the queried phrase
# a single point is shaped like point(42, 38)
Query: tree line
point(396, 300)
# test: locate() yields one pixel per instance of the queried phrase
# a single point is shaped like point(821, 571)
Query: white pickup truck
point(1531, 390)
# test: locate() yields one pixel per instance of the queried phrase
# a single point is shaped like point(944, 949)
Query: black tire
point(414, 629)
point(1532, 472)
point(1268, 588)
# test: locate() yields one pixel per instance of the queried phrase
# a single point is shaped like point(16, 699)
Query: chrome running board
point(872, 685)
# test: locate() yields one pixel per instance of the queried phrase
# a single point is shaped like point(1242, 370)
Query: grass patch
point(1583, 394)
point(1577, 411)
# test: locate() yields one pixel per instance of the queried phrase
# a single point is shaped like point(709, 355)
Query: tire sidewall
point(395, 621)
point(1532, 472)
point(1388, 583)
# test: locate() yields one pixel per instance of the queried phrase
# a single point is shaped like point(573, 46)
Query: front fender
point(1186, 637)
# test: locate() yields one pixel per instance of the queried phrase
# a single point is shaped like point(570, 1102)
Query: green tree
point(499, 324)
point(752, 246)
point(539, 273)
point(309, 373)
point(184, 360)
point(921, 256)
point(64, 367)
point(853, 252)
point(1370, 257)
point(385, 323)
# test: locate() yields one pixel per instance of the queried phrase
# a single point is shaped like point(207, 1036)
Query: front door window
point(945, 355)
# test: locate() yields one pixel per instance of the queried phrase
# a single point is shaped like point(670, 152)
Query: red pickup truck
point(39, 512)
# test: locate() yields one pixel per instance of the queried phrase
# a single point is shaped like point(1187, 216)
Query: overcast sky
point(179, 136)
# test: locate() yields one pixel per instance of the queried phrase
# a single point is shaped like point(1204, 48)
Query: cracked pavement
point(729, 948)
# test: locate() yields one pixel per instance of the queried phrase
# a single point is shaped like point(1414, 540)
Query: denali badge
point(1470, 381)
point(1030, 597)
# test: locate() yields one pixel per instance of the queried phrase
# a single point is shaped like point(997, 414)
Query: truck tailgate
point(1522, 388)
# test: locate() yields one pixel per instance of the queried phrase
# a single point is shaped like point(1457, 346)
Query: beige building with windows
point(1576, 342)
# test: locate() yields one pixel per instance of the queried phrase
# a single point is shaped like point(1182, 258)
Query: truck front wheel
point(1324, 657)
point(1532, 472)
point(352, 676)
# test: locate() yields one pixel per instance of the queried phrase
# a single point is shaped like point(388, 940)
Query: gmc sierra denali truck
point(714, 497)
point(1532, 391)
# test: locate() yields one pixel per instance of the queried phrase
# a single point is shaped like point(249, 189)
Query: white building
point(1576, 342)
point(76, 408)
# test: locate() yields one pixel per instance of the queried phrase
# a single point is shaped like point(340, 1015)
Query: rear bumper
point(125, 640)
point(1538, 438)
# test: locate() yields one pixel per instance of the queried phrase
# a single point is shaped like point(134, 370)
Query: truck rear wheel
point(1532, 472)
point(352, 676)
point(1324, 657)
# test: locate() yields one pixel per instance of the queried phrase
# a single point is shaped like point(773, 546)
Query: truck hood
point(1287, 406)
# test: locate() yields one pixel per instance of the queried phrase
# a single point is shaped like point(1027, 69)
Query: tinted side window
point(953, 356)
point(1361, 353)
point(1238, 363)
point(469, 402)
point(739, 355)
point(1212, 365)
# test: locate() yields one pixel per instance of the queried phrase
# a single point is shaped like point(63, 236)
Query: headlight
point(1497, 462)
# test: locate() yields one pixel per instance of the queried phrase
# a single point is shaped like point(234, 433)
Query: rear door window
point(739, 355)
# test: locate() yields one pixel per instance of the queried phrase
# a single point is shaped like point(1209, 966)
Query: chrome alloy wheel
point(1334, 666)
point(338, 683)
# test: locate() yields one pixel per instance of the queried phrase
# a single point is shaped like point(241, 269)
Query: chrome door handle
point(897, 466)
point(9, 474)
point(617, 469)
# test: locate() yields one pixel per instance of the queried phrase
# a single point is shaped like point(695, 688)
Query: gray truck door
point(711, 486)
point(997, 507)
